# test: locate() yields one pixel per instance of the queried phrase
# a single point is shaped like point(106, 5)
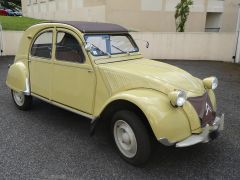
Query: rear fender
point(18, 79)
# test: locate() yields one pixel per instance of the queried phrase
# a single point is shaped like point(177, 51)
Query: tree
point(181, 14)
point(17, 2)
point(11, 4)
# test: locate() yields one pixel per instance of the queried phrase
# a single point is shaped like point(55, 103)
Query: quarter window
point(42, 47)
point(68, 48)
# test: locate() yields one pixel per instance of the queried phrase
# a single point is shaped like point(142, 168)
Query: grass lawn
point(15, 23)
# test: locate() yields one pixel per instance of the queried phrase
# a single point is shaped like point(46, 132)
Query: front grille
point(203, 107)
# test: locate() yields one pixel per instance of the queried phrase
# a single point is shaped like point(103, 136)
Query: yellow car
point(96, 70)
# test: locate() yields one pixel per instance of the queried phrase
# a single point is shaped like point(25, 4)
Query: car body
point(17, 12)
point(3, 12)
point(10, 12)
point(96, 70)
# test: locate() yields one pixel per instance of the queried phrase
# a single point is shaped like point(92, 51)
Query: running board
point(65, 107)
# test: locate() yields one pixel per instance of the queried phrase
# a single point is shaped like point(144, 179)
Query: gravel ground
point(51, 143)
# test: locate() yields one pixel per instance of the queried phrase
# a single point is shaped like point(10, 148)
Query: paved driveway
point(51, 143)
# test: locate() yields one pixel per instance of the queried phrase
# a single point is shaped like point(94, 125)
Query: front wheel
point(23, 102)
point(131, 137)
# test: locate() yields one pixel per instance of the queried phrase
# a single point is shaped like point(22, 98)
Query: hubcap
point(18, 98)
point(125, 138)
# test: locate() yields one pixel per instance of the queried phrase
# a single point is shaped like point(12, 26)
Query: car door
point(73, 82)
point(40, 63)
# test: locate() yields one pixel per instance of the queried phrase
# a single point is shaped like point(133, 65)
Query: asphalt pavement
point(50, 143)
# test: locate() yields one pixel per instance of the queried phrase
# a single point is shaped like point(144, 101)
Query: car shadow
point(162, 156)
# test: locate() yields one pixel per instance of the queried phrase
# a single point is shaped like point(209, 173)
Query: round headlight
point(181, 98)
point(210, 83)
point(214, 83)
point(177, 98)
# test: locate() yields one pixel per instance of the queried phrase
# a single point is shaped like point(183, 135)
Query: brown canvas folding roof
point(94, 27)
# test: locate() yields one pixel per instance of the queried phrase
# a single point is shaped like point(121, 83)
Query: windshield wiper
point(99, 49)
point(120, 49)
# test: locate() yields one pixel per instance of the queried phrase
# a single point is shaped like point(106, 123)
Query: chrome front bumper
point(205, 136)
point(209, 133)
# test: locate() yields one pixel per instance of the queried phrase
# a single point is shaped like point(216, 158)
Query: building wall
point(79, 10)
point(187, 46)
point(10, 48)
point(141, 15)
point(153, 15)
point(229, 19)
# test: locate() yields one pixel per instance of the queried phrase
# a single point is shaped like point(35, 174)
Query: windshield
point(104, 44)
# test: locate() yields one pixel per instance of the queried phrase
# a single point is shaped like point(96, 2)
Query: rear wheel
point(131, 137)
point(23, 102)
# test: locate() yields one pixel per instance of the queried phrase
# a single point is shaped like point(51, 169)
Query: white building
point(143, 15)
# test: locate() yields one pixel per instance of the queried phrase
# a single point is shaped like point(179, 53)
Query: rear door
point(40, 63)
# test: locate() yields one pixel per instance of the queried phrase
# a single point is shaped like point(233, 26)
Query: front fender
point(17, 78)
point(165, 120)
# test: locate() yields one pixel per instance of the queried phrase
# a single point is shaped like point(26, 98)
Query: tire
point(23, 102)
point(131, 137)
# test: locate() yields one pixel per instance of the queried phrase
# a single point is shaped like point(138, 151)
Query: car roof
point(94, 27)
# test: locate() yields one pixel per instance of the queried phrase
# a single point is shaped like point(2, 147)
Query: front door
point(73, 82)
point(40, 63)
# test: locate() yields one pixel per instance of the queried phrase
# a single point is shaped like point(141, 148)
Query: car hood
point(145, 73)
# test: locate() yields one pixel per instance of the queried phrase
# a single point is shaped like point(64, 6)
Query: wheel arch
point(160, 117)
point(122, 104)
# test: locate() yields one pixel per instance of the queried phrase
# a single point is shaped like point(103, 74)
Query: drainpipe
point(237, 50)
point(1, 40)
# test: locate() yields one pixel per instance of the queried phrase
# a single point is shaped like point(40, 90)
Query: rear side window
point(68, 48)
point(42, 47)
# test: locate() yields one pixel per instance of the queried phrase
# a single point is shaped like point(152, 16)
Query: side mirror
point(147, 44)
point(88, 47)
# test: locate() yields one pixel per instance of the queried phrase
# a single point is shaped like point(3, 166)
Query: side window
point(42, 47)
point(68, 48)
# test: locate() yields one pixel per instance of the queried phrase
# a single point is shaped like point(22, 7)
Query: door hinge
point(89, 70)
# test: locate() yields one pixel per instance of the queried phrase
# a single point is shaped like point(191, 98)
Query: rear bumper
point(209, 133)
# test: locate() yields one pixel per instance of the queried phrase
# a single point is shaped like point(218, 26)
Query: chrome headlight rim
point(181, 98)
point(214, 83)
point(210, 83)
point(178, 98)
